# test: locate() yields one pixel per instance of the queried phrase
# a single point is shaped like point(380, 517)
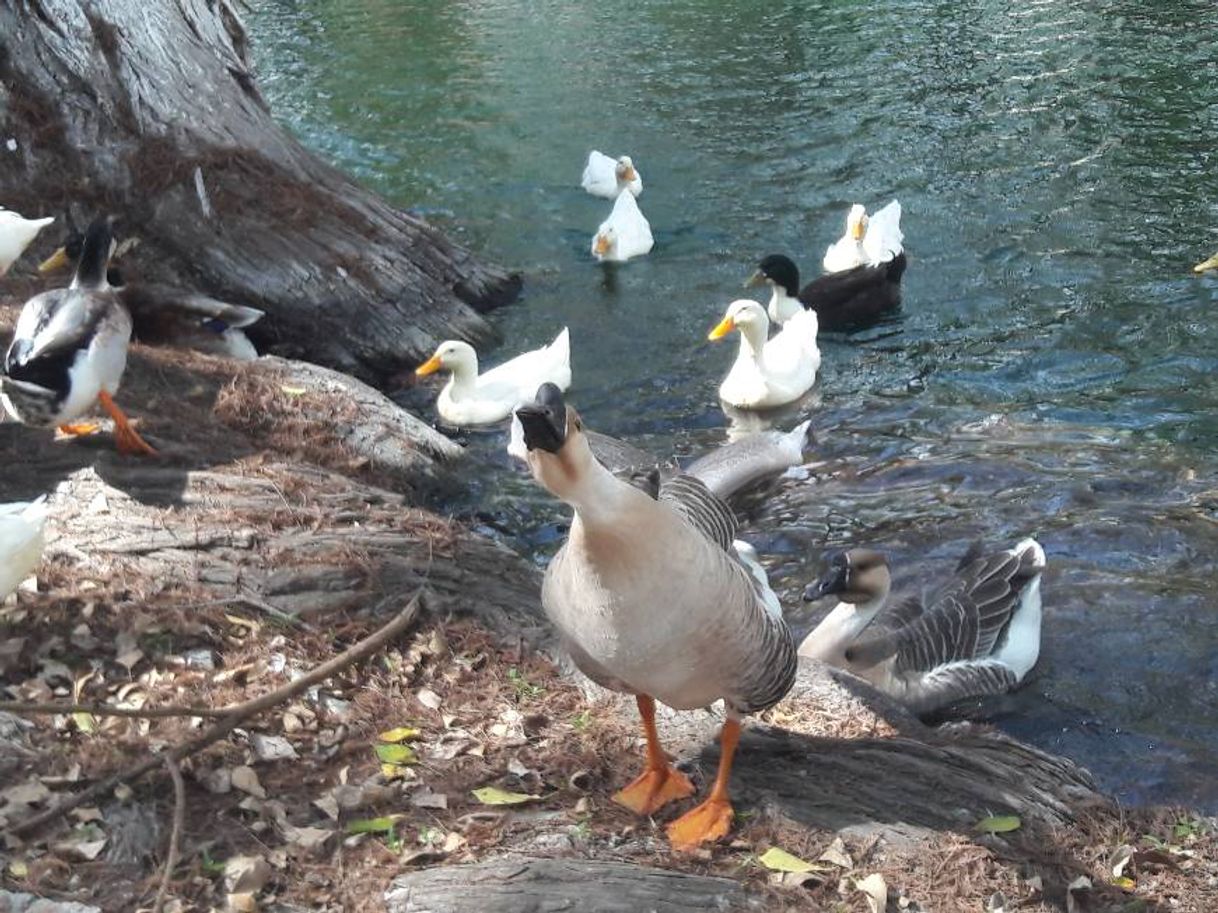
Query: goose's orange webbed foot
point(706, 823)
point(79, 429)
point(653, 789)
point(126, 438)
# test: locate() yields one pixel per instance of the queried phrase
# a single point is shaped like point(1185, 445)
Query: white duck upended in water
point(607, 177)
point(869, 240)
point(470, 398)
point(625, 234)
point(768, 372)
point(16, 234)
point(650, 598)
point(978, 633)
point(22, 525)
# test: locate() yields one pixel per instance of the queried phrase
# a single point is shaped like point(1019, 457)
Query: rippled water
point(1053, 160)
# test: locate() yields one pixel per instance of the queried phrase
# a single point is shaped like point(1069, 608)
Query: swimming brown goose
point(978, 633)
point(651, 599)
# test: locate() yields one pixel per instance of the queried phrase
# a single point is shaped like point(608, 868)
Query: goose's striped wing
point(705, 511)
point(961, 621)
point(957, 681)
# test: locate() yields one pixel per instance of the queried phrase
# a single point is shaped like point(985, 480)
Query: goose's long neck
point(598, 497)
point(782, 306)
point(839, 629)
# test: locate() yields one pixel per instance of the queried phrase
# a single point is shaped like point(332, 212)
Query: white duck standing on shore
point(69, 351)
point(16, 234)
point(470, 398)
point(605, 176)
point(978, 633)
point(869, 240)
point(625, 234)
point(651, 598)
point(22, 527)
point(768, 372)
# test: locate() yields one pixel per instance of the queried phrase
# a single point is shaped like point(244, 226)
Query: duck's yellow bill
point(431, 366)
point(1211, 263)
point(859, 229)
point(57, 260)
point(602, 245)
point(629, 174)
point(722, 328)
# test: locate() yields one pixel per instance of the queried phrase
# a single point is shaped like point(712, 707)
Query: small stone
point(272, 747)
point(200, 658)
point(246, 874)
point(246, 780)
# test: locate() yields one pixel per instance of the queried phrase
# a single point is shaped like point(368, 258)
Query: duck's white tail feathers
point(559, 356)
point(22, 537)
point(884, 240)
point(1020, 646)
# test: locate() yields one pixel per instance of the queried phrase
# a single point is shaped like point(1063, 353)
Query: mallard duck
point(842, 301)
point(868, 239)
point(470, 398)
point(165, 314)
point(651, 599)
point(1211, 263)
point(978, 633)
point(769, 372)
point(625, 234)
point(16, 234)
point(70, 350)
point(607, 177)
point(21, 541)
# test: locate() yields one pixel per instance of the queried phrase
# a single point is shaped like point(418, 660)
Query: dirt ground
point(383, 769)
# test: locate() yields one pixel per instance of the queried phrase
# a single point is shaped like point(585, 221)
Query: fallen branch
point(238, 714)
point(175, 835)
point(36, 708)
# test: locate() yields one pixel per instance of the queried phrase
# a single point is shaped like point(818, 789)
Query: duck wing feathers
point(701, 508)
point(53, 327)
point(856, 296)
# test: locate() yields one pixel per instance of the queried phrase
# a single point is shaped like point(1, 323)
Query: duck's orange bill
point(602, 245)
point(629, 174)
point(431, 366)
point(859, 229)
point(57, 260)
point(722, 328)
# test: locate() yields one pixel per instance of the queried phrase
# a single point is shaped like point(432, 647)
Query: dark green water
point(1056, 163)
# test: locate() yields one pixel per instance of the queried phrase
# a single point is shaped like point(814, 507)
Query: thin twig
point(175, 835)
point(236, 716)
point(36, 708)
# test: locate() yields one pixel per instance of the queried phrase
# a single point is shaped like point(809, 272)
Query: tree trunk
point(150, 111)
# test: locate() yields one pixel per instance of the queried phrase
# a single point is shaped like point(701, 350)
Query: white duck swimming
point(21, 541)
point(768, 372)
point(607, 177)
point(625, 234)
point(16, 234)
point(69, 351)
point(470, 398)
point(869, 240)
point(651, 598)
point(978, 633)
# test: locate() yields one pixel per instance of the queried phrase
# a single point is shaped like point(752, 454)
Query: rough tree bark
point(151, 111)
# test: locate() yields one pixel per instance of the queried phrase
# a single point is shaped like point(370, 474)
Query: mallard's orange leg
point(713, 818)
point(659, 783)
point(126, 438)
point(79, 429)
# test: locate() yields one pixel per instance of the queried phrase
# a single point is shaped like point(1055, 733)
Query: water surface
point(1053, 371)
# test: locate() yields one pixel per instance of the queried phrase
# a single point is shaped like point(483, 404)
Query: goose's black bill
point(544, 420)
point(836, 579)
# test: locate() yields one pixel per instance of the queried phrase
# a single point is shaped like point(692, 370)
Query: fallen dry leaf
point(429, 698)
point(779, 860)
point(246, 874)
point(398, 734)
point(876, 889)
point(999, 824)
point(246, 780)
point(493, 795)
point(835, 854)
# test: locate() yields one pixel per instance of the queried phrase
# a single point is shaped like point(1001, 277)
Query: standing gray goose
point(651, 599)
point(977, 634)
